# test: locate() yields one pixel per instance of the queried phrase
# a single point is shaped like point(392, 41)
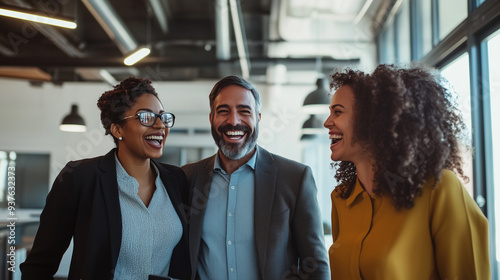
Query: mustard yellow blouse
point(444, 236)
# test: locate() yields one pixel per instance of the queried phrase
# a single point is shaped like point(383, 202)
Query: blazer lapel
point(199, 196)
point(265, 186)
point(109, 187)
point(174, 194)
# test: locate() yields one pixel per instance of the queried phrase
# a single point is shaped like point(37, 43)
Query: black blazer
point(83, 203)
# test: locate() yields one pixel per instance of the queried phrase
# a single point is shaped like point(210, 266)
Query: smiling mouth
point(336, 138)
point(234, 134)
point(156, 139)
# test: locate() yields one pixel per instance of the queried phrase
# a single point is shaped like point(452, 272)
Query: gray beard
point(235, 151)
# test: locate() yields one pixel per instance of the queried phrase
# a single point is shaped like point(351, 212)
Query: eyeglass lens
point(149, 118)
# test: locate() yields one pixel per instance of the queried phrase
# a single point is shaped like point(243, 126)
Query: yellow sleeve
point(459, 231)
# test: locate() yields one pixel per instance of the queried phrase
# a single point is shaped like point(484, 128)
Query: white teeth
point(154, 137)
point(336, 136)
point(235, 133)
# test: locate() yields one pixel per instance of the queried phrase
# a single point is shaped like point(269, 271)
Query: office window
point(387, 50)
point(493, 45)
point(31, 179)
point(424, 15)
point(457, 74)
point(403, 33)
point(451, 13)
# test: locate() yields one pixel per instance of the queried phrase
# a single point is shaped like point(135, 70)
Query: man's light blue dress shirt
point(227, 248)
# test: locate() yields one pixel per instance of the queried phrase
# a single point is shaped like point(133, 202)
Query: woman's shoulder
point(82, 165)
point(86, 162)
point(448, 177)
point(448, 189)
point(447, 182)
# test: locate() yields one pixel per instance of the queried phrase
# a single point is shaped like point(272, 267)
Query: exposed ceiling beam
point(28, 73)
point(109, 20)
point(100, 62)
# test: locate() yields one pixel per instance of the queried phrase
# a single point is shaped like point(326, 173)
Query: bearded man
point(253, 214)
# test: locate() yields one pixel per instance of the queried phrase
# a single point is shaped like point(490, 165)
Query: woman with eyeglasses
point(124, 210)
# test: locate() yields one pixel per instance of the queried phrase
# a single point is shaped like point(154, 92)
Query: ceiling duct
point(112, 24)
point(158, 10)
point(240, 37)
point(222, 33)
point(223, 38)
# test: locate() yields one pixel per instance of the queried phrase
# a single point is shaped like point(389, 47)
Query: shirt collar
point(124, 178)
point(358, 190)
point(250, 162)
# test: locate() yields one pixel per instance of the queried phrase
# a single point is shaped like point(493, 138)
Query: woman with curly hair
point(124, 209)
point(400, 212)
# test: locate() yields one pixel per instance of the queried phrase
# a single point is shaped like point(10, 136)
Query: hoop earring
point(120, 138)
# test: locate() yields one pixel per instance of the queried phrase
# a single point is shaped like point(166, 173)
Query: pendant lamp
point(318, 100)
point(73, 122)
point(313, 125)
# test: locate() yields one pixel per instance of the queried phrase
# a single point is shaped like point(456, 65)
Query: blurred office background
point(286, 48)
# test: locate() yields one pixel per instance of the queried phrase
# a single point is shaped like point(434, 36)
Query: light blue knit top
point(149, 234)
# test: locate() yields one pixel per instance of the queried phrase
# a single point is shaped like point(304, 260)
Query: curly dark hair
point(410, 123)
point(114, 103)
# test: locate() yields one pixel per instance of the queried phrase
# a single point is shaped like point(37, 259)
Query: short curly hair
point(114, 103)
point(411, 124)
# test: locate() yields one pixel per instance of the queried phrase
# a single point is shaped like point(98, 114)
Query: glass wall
point(451, 13)
point(396, 37)
point(403, 38)
point(457, 74)
point(425, 19)
point(387, 54)
point(493, 86)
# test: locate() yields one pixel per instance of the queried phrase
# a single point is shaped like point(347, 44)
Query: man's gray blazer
point(287, 220)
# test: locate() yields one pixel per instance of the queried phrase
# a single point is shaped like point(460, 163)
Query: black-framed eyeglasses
point(149, 118)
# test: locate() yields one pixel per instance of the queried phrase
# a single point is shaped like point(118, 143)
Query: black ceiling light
point(313, 125)
point(318, 100)
point(73, 122)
